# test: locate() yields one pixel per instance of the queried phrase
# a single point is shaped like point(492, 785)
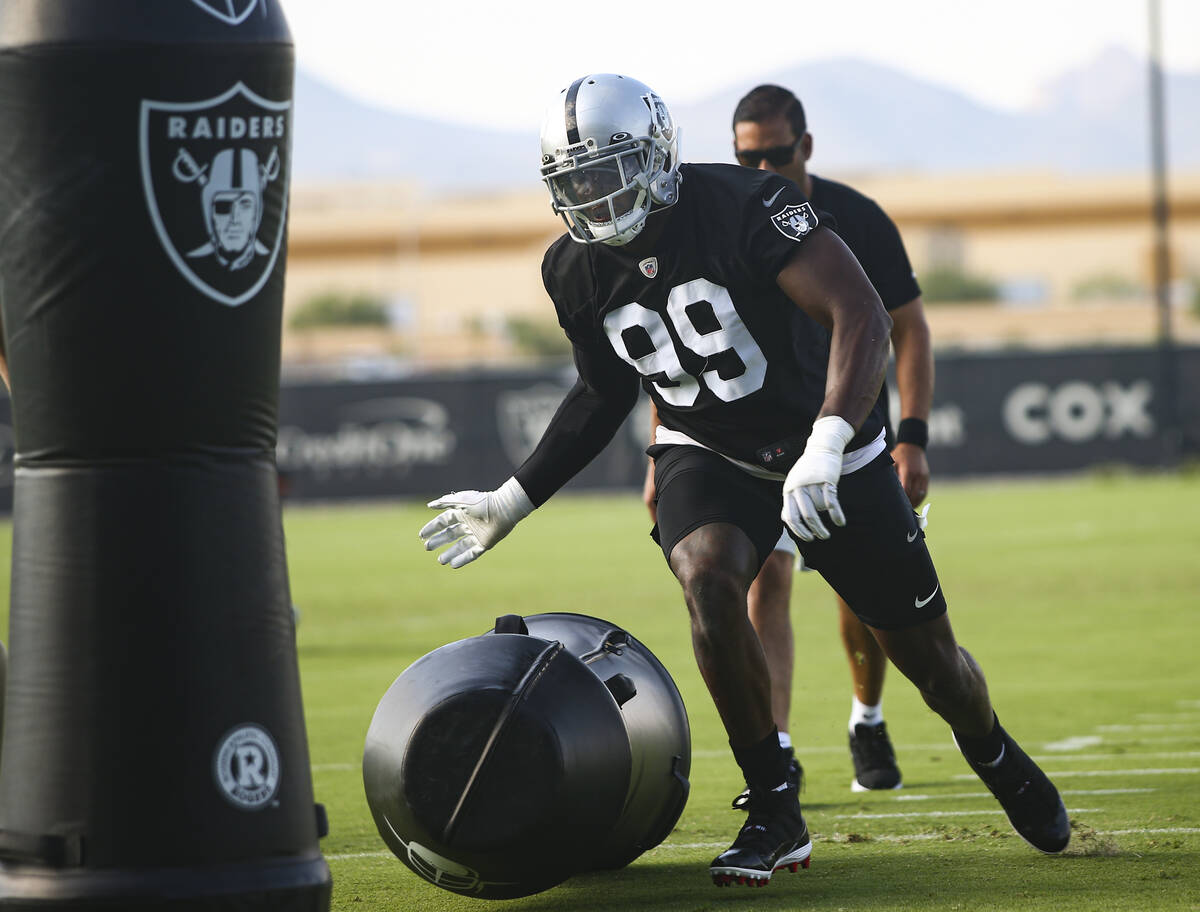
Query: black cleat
point(1028, 797)
point(874, 760)
point(795, 779)
point(774, 837)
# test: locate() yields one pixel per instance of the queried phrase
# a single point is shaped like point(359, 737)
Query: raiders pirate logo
point(522, 416)
point(215, 178)
point(231, 12)
point(795, 221)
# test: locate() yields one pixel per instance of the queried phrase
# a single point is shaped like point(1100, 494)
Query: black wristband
point(914, 431)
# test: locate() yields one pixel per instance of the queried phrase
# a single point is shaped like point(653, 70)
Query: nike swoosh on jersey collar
point(774, 196)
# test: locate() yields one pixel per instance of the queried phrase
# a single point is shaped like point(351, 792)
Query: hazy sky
point(497, 63)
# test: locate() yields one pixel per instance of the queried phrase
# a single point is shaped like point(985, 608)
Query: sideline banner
point(1009, 413)
point(422, 437)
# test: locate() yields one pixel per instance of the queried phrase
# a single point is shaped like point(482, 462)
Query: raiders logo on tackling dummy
point(215, 177)
point(795, 221)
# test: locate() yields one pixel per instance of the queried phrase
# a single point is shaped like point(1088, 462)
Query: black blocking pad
point(154, 743)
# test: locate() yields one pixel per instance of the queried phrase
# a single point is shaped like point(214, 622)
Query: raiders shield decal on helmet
point(795, 221)
point(231, 12)
point(215, 178)
point(662, 117)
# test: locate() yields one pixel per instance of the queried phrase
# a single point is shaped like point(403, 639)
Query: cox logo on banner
point(1078, 411)
point(215, 177)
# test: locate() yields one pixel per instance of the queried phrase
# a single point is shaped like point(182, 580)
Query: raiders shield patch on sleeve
point(795, 221)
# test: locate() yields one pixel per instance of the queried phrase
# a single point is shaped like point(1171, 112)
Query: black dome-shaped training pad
point(497, 766)
point(655, 721)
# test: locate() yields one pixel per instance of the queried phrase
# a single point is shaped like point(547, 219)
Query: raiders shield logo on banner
point(522, 416)
point(795, 221)
point(231, 12)
point(215, 177)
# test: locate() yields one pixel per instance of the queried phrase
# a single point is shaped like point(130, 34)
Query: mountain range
point(863, 116)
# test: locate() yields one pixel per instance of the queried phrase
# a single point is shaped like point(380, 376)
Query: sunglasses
point(776, 156)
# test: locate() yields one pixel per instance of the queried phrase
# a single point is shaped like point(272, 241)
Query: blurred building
point(1068, 261)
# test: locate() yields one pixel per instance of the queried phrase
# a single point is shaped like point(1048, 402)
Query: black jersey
point(727, 357)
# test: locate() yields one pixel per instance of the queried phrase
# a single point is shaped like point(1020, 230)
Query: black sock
point(765, 765)
point(985, 750)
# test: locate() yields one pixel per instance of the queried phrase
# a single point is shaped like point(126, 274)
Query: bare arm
point(914, 382)
point(826, 281)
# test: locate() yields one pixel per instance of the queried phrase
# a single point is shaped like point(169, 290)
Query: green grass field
point(1079, 597)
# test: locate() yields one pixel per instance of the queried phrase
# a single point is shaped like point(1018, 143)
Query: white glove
point(474, 521)
point(811, 485)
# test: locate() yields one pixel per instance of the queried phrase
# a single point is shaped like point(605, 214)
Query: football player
point(763, 346)
point(770, 131)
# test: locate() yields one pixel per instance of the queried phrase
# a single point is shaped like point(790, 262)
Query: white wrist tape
point(830, 435)
point(512, 501)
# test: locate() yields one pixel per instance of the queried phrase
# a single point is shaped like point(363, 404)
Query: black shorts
point(878, 562)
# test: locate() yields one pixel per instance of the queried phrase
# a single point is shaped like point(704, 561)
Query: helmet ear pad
point(664, 169)
point(664, 186)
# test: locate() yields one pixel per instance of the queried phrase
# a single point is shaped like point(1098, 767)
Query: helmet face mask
point(609, 156)
point(601, 197)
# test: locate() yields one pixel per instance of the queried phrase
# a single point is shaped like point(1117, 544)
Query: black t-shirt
point(872, 237)
point(726, 356)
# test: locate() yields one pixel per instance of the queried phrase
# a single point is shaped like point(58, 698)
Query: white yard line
point(688, 846)
point(1074, 743)
point(1156, 755)
point(1148, 726)
point(1130, 791)
point(1147, 831)
point(1133, 772)
point(348, 855)
point(1176, 716)
point(990, 811)
point(1055, 747)
point(1160, 831)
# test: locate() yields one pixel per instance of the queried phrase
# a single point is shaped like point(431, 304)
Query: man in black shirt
point(770, 132)
point(763, 346)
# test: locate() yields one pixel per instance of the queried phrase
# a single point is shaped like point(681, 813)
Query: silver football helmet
point(610, 153)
